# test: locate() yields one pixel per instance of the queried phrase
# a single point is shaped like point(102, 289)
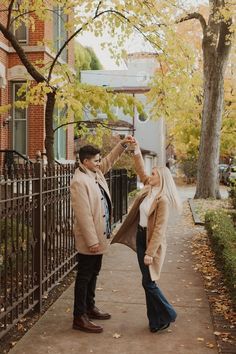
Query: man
point(92, 207)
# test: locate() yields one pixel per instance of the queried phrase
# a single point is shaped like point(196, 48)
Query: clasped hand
point(94, 248)
point(129, 139)
point(148, 260)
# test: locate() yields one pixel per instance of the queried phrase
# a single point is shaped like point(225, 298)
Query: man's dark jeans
point(159, 311)
point(85, 285)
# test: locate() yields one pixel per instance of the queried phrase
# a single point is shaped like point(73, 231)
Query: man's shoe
point(83, 323)
point(96, 314)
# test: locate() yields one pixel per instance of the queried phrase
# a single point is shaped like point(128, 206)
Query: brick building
point(23, 130)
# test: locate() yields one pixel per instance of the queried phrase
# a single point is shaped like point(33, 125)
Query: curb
point(196, 218)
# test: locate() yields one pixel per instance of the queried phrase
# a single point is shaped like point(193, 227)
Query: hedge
point(222, 233)
point(232, 195)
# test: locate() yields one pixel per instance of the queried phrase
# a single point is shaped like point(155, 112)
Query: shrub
point(189, 168)
point(232, 195)
point(13, 239)
point(222, 234)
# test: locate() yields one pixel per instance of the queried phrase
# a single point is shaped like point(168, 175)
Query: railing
point(36, 238)
point(117, 182)
point(132, 183)
point(12, 157)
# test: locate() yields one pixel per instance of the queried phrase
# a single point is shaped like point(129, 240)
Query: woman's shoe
point(165, 326)
point(157, 329)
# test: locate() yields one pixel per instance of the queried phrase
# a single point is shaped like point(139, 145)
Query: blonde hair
point(168, 188)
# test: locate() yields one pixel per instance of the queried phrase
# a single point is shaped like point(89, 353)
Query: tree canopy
point(158, 23)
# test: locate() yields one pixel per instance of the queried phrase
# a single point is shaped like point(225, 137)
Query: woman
point(144, 231)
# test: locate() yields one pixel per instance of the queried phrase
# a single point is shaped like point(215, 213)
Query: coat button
point(104, 216)
point(102, 198)
point(104, 233)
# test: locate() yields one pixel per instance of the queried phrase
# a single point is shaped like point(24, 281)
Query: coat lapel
point(154, 205)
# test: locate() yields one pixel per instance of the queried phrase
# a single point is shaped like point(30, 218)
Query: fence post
point(120, 195)
point(125, 192)
point(37, 231)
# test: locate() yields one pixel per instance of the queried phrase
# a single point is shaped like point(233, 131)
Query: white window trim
point(13, 118)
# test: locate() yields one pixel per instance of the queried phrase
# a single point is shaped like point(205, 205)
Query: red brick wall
point(4, 129)
point(38, 34)
point(36, 129)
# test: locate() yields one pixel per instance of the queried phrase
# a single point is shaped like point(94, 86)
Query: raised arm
point(109, 160)
point(139, 165)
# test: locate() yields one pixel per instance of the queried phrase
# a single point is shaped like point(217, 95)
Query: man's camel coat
point(86, 199)
point(156, 228)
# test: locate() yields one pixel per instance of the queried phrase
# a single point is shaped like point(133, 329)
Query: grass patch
point(202, 206)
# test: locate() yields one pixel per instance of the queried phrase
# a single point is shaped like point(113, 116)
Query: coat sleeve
point(109, 160)
point(159, 228)
point(139, 167)
point(82, 212)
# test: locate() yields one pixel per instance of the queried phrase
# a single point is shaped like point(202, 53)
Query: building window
point(21, 32)
point(60, 135)
point(59, 31)
point(19, 122)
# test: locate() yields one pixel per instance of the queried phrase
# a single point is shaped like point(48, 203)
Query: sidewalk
point(119, 291)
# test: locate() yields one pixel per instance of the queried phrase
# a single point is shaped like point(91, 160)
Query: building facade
point(23, 130)
point(135, 80)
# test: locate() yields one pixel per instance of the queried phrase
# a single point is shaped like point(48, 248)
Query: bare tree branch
point(197, 16)
point(97, 15)
point(20, 15)
point(96, 12)
point(10, 7)
point(37, 76)
point(33, 11)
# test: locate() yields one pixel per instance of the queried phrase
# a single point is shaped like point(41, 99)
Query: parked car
point(229, 175)
point(221, 169)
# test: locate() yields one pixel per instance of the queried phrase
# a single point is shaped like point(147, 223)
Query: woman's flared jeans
point(159, 311)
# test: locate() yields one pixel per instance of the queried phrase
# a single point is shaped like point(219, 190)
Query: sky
point(135, 44)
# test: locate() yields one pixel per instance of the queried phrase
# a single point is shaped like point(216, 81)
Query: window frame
point(58, 26)
point(22, 41)
point(13, 138)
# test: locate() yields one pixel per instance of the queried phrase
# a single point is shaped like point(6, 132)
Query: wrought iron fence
point(36, 238)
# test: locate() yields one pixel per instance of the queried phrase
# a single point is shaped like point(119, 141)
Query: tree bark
point(207, 174)
point(216, 45)
point(49, 139)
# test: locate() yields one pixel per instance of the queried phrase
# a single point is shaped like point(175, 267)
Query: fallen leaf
point(217, 333)
point(200, 339)
point(99, 289)
point(20, 327)
point(210, 345)
point(116, 335)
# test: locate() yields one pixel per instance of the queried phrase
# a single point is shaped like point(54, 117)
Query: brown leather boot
point(83, 323)
point(97, 314)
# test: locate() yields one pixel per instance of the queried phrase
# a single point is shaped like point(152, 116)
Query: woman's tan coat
point(89, 222)
point(156, 228)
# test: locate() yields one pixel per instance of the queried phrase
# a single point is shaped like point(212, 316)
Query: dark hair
point(88, 152)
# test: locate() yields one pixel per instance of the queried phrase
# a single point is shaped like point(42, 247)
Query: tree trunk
point(209, 150)
point(49, 139)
